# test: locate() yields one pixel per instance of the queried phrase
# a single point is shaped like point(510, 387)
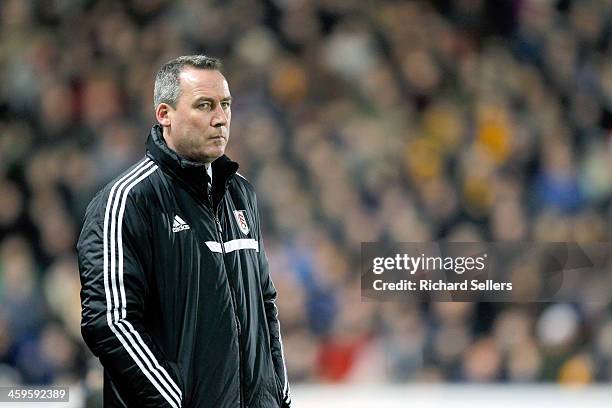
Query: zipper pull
point(218, 225)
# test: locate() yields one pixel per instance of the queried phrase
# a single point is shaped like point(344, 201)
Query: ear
point(163, 114)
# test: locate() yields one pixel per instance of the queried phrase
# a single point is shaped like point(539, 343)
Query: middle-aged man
point(177, 299)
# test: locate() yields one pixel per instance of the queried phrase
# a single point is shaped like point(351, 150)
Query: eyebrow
point(209, 99)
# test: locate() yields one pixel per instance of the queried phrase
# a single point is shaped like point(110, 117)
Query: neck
point(168, 139)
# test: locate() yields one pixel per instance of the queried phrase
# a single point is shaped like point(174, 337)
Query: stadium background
point(356, 121)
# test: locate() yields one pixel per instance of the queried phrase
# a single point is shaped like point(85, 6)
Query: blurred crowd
point(356, 121)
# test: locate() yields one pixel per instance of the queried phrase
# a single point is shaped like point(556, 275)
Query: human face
point(198, 127)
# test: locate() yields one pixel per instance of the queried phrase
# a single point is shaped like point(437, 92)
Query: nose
point(219, 117)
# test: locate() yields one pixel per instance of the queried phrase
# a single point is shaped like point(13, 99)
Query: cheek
point(199, 120)
point(180, 120)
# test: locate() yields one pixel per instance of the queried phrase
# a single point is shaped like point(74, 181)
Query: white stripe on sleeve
point(147, 363)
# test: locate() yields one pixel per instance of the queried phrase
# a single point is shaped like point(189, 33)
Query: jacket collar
point(190, 173)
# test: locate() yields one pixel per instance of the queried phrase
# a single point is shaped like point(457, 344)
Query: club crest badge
point(241, 220)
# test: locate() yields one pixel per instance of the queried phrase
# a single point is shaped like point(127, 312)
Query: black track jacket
point(177, 301)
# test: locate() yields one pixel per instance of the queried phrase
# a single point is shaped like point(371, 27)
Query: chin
point(211, 156)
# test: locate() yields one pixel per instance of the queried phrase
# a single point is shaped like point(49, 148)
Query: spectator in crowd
point(392, 121)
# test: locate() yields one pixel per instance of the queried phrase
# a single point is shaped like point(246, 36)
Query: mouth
point(217, 137)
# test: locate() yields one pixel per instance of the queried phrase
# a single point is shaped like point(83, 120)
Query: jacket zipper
point(233, 296)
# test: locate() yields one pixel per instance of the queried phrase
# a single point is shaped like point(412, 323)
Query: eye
point(225, 104)
point(204, 105)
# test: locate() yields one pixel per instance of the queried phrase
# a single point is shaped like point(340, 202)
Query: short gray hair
point(167, 82)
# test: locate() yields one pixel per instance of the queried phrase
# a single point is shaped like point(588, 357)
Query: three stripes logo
point(179, 224)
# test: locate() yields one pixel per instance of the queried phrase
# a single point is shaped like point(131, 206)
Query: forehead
point(203, 82)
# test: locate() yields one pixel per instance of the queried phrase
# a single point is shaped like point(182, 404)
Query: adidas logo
point(179, 224)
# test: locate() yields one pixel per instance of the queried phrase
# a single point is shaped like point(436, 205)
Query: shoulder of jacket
point(242, 183)
point(131, 183)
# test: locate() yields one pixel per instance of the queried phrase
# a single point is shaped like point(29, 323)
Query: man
point(177, 299)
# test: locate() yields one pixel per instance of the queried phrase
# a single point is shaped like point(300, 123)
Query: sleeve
point(276, 342)
point(113, 291)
